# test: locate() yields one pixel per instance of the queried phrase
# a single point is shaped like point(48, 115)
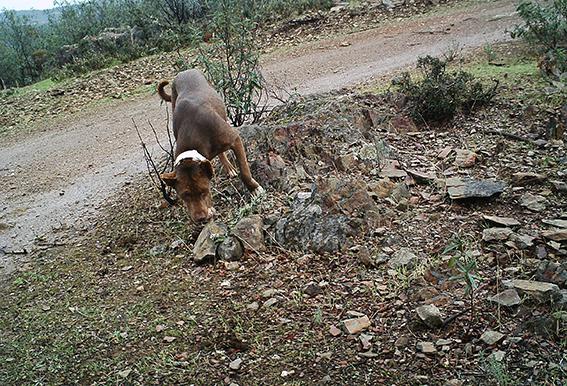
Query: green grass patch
point(43, 85)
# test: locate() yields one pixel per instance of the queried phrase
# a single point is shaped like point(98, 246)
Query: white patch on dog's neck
point(190, 154)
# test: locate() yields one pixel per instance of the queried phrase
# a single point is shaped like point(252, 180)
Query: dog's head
point(191, 180)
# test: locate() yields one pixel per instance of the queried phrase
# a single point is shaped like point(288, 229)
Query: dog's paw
point(259, 191)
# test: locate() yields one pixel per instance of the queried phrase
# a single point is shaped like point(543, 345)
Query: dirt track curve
point(61, 175)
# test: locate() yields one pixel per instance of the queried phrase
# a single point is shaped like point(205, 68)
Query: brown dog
point(201, 133)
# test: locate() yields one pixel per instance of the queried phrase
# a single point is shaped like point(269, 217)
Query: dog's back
point(199, 116)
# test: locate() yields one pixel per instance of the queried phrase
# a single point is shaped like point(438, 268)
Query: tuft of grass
point(498, 372)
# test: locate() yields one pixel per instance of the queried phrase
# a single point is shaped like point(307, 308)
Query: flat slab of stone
point(502, 221)
point(460, 189)
point(426, 347)
point(491, 337)
point(391, 169)
point(403, 257)
point(496, 234)
point(520, 178)
point(560, 235)
point(533, 202)
point(507, 298)
point(557, 222)
point(422, 177)
point(356, 325)
point(537, 289)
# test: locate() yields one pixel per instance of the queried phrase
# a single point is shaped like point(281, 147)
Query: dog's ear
point(207, 168)
point(169, 178)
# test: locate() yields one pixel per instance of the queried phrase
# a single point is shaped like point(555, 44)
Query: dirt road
point(60, 176)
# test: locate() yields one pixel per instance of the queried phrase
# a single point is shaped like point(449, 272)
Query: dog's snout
point(204, 216)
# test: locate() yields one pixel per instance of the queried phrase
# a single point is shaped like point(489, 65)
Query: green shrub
point(231, 62)
point(439, 94)
point(545, 26)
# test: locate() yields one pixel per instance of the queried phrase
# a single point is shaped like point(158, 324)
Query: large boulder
point(324, 219)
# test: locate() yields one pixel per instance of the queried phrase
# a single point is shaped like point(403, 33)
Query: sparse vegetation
point(440, 93)
point(231, 62)
point(545, 26)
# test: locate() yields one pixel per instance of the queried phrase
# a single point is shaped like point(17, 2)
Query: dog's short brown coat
point(200, 123)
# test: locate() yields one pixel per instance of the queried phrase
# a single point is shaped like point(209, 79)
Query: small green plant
point(545, 27)
point(439, 94)
point(318, 316)
point(498, 371)
point(231, 63)
point(489, 51)
point(463, 261)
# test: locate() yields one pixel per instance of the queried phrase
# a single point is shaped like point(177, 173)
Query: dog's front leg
point(227, 165)
point(245, 174)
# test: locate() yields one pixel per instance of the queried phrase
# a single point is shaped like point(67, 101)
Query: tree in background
point(17, 44)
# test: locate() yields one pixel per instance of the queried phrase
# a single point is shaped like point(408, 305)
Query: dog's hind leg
point(228, 167)
point(245, 174)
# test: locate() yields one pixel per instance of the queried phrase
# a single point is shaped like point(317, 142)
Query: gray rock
point(496, 234)
point(560, 235)
point(268, 293)
point(402, 341)
point(312, 289)
point(250, 231)
point(430, 315)
point(498, 356)
point(176, 244)
point(254, 306)
point(491, 337)
point(557, 222)
point(158, 250)
point(507, 298)
point(235, 364)
point(535, 203)
point(522, 241)
point(460, 189)
point(561, 304)
point(521, 179)
point(545, 292)
point(552, 272)
point(403, 257)
point(426, 347)
point(270, 302)
point(206, 245)
point(559, 186)
point(502, 221)
point(230, 249)
point(308, 229)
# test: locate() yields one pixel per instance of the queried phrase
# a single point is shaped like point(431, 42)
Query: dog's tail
point(161, 91)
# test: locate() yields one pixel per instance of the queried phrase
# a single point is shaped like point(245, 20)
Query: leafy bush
point(439, 94)
point(545, 26)
point(231, 62)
